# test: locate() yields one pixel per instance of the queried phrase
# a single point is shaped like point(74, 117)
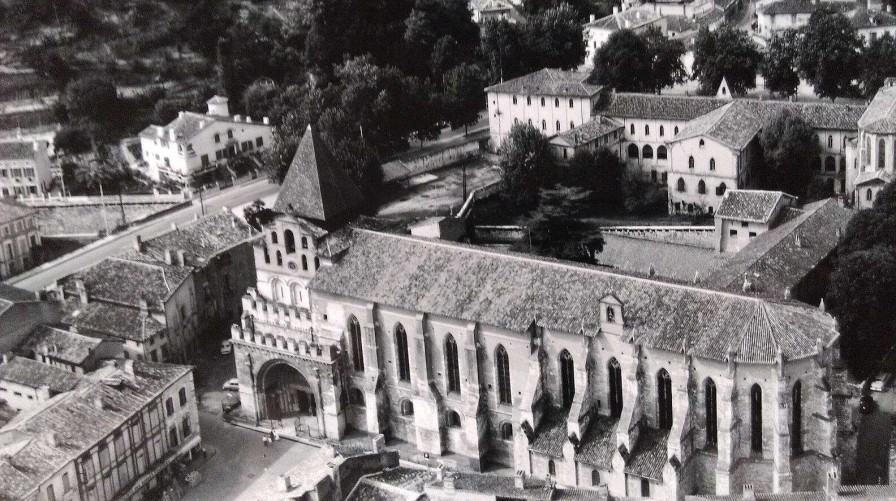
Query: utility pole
point(103, 202)
point(201, 202)
point(124, 218)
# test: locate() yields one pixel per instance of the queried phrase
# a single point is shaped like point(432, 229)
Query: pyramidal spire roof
point(316, 187)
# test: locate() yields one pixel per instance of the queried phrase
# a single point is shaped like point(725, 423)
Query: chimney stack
point(36, 146)
point(284, 483)
point(82, 291)
point(5, 358)
point(592, 17)
point(181, 257)
point(237, 118)
point(448, 483)
point(138, 243)
point(43, 393)
point(172, 136)
point(520, 480)
point(169, 257)
point(266, 121)
point(832, 485)
point(144, 308)
point(749, 492)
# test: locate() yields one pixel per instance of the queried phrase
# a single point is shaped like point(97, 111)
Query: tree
point(71, 139)
point(791, 151)
point(501, 46)
point(257, 215)
point(167, 108)
point(878, 63)
point(779, 66)
point(630, 62)
point(642, 197)
point(601, 171)
point(554, 39)
point(97, 173)
point(463, 95)
point(94, 102)
point(829, 55)
point(49, 64)
point(442, 32)
point(525, 161)
point(859, 294)
point(556, 228)
point(623, 63)
point(727, 53)
point(666, 66)
point(263, 99)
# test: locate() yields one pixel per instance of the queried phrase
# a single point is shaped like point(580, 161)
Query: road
point(48, 273)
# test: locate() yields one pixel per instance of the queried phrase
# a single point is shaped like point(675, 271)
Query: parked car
point(231, 385)
point(230, 402)
point(867, 404)
point(881, 382)
point(226, 347)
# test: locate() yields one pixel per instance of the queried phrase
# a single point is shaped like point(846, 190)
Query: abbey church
point(624, 383)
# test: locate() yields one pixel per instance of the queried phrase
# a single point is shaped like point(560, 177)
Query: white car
point(881, 382)
point(231, 385)
point(226, 347)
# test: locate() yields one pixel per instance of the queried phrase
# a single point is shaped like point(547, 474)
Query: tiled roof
point(598, 444)
point(19, 150)
point(35, 374)
point(403, 477)
point(549, 82)
point(216, 99)
point(61, 344)
point(670, 260)
point(501, 487)
point(649, 456)
point(509, 290)
point(788, 7)
point(757, 206)
point(10, 210)
point(774, 262)
point(15, 295)
point(589, 131)
point(43, 440)
point(631, 18)
point(862, 18)
point(738, 122)
point(846, 492)
point(127, 282)
point(106, 320)
point(202, 240)
point(873, 177)
point(367, 491)
point(316, 187)
point(551, 434)
point(661, 107)
point(880, 116)
point(187, 125)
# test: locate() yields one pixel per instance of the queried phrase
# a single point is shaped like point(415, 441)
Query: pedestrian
point(272, 436)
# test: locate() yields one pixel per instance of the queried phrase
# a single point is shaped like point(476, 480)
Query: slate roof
point(367, 491)
point(34, 374)
point(189, 124)
point(598, 444)
point(649, 456)
point(201, 239)
point(850, 492)
point(670, 260)
point(549, 82)
point(106, 320)
point(773, 261)
point(316, 187)
point(127, 282)
point(75, 422)
point(501, 487)
point(737, 123)
point(757, 206)
point(660, 107)
point(551, 434)
point(873, 177)
point(61, 344)
point(862, 18)
point(10, 210)
point(588, 131)
point(508, 290)
point(880, 116)
point(19, 150)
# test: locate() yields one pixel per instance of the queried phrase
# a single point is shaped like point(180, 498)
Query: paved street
point(47, 274)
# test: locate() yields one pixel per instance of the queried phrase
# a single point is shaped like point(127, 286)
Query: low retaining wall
point(500, 234)
point(429, 160)
point(60, 201)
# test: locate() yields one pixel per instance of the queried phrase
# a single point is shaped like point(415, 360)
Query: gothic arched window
point(567, 378)
point(401, 353)
point(615, 380)
point(502, 369)
point(354, 334)
point(796, 427)
point(451, 364)
point(756, 418)
point(664, 399)
point(709, 394)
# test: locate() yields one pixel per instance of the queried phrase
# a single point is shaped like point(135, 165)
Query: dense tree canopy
point(727, 53)
point(441, 32)
point(829, 54)
point(630, 62)
point(779, 66)
point(878, 63)
point(556, 228)
point(601, 171)
point(862, 284)
point(462, 95)
point(525, 162)
point(791, 153)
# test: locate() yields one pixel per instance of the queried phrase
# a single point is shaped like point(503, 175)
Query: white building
point(19, 236)
point(745, 214)
point(27, 383)
point(598, 31)
point(193, 142)
point(552, 101)
point(484, 10)
point(602, 132)
point(24, 168)
point(783, 15)
point(874, 151)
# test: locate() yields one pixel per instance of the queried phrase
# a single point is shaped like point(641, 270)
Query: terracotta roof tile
point(34, 374)
point(106, 320)
point(549, 82)
point(127, 282)
point(598, 443)
point(661, 107)
point(508, 290)
point(649, 456)
point(750, 205)
point(61, 344)
point(550, 435)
